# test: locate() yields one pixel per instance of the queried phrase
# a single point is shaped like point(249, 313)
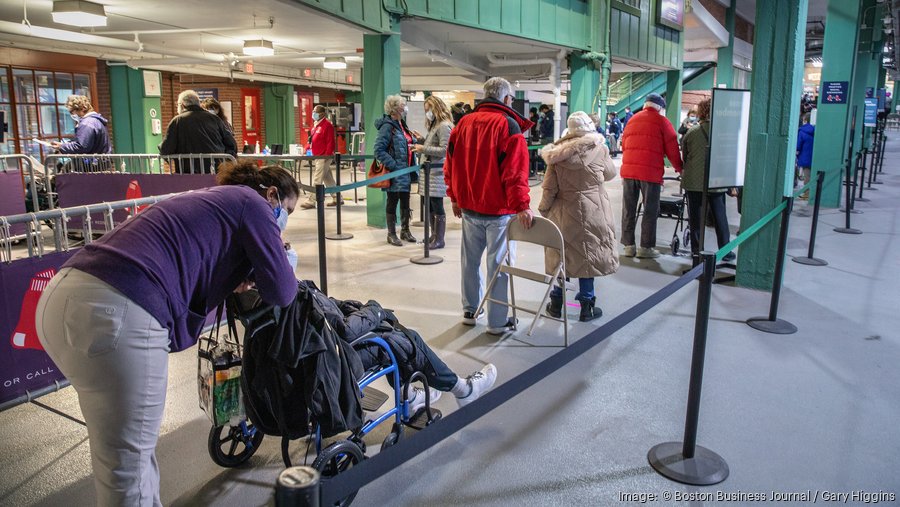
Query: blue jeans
point(585, 290)
point(479, 233)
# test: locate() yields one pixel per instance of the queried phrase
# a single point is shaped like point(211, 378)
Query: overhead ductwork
point(555, 78)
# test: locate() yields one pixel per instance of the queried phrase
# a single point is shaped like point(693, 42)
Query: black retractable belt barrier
point(810, 260)
point(862, 178)
point(298, 487)
point(772, 324)
point(385, 461)
point(339, 235)
point(320, 225)
point(427, 258)
point(686, 462)
point(873, 162)
point(848, 198)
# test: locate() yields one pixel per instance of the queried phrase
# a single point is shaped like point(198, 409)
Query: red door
point(305, 101)
point(250, 104)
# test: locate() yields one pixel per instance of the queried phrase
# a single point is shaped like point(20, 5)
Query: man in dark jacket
point(486, 171)
point(545, 124)
point(805, 138)
point(195, 130)
point(91, 135)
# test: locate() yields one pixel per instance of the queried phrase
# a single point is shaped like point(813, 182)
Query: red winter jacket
point(486, 169)
point(322, 138)
point(648, 137)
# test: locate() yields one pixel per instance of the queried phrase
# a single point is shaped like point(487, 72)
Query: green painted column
point(894, 98)
point(673, 96)
point(725, 59)
point(278, 100)
point(520, 94)
point(774, 114)
point(133, 112)
point(868, 61)
point(380, 78)
point(833, 119)
point(584, 79)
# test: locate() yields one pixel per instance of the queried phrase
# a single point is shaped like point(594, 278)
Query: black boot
point(392, 238)
point(554, 307)
point(405, 235)
point(432, 221)
point(589, 311)
point(440, 228)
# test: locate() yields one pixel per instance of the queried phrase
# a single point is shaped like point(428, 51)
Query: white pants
point(115, 354)
point(321, 176)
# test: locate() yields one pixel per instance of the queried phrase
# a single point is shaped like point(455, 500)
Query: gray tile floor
point(815, 411)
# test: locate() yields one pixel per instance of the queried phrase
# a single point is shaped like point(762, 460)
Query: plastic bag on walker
point(219, 380)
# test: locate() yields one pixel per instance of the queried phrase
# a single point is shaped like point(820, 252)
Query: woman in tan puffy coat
point(576, 201)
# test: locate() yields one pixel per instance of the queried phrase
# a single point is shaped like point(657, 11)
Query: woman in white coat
point(575, 199)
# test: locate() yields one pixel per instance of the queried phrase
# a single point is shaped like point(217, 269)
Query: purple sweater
point(180, 258)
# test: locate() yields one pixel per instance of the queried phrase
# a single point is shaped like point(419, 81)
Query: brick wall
point(101, 100)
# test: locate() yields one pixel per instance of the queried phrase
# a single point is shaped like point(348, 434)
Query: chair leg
point(487, 291)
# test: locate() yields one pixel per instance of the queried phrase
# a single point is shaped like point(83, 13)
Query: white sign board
point(729, 130)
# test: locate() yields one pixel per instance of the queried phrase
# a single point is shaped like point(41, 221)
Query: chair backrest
point(543, 232)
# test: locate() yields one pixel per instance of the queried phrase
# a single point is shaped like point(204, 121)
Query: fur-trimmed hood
point(572, 145)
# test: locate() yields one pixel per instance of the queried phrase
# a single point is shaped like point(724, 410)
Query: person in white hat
point(575, 199)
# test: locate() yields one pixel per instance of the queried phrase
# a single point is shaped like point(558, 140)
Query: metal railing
point(28, 167)
point(136, 163)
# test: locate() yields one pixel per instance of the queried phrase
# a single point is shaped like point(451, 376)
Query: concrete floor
point(816, 410)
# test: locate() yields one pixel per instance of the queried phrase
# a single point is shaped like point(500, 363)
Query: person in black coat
point(195, 130)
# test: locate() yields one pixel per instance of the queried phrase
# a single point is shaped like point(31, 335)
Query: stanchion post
point(298, 487)
point(810, 260)
point(772, 324)
point(872, 162)
point(686, 462)
point(862, 177)
point(427, 258)
point(320, 225)
point(339, 235)
point(846, 229)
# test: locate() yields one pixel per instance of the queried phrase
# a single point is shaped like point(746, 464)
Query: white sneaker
point(629, 251)
point(417, 400)
point(509, 327)
point(647, 253)
point(479, 382)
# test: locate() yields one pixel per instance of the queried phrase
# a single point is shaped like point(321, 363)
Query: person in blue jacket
point(91, 135)
point(805, 138)
point(392, 148)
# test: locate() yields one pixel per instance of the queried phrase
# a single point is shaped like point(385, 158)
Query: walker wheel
point(336, 458)
point(229, 446)
point(393, 437)
point(675, 244)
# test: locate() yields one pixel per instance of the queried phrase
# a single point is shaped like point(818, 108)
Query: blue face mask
point(316, 116)
point(281, 218)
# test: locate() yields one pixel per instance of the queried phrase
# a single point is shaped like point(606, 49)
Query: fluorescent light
point(60, 35)
point(335, 63)
point(78, 13)
point(259, 47)
point(817, 63)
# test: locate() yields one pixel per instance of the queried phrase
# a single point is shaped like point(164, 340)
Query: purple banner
point(12, 198)
point(79, 189)
point(24, 366)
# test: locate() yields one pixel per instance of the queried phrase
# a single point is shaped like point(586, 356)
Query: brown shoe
point(308, 205)
point(334, 202)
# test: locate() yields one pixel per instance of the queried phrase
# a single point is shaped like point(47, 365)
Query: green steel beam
point(673, 96)
point(894, 97)
point(131, 109)
point(838, 61)
point(368, 14)
point(380, 78)
point(778, 50)
point(279, 104)
point(584, 79)
point(868, 61)
point(725, 59)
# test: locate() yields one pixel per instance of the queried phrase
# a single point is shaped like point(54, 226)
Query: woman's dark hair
point(246, 172)
point(211, 103)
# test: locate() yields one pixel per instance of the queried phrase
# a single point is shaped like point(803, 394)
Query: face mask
point(316, 116)
point(281, 218)
point(292, 258)
point(429, 115)
point(692, 118)
point(214, 111)
point(75, 117)
point(405, 109)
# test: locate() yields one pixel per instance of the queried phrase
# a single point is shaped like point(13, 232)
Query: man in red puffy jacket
point(648, 137)
point(486, 171)
point(321, 143)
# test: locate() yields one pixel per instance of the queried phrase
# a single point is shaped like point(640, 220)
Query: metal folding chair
point(545, 233)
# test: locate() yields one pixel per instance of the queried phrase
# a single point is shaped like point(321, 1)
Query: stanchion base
point(810, 261)
point(862, 199)
point(852, 212)
point(847, 230)
point(777, 326)
point(431, 259)
point(869, 189)
point(341, 236)
point(704, 469)
point(877, 183)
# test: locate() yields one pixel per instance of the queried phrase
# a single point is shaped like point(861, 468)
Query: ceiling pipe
point(184, 30)
point(263, 78)
point(17, 29)
point(555, 78)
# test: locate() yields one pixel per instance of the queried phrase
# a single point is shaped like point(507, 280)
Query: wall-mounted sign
point(670, 13)
point(153, 112)
point(248, 67)
point(207, 93)
point(152, 84)
point(834, 92)
point(729, 131)
point(870, 114)
point(307, 72)
point(881, 93)
point(350, 78)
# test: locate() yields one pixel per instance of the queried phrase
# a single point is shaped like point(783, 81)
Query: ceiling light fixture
point(78, 13)
point(335, 63)
point(258, 47)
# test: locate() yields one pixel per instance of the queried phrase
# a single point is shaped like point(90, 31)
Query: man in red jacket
point(486, 171)
point(321, 143)
point(648, 137)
